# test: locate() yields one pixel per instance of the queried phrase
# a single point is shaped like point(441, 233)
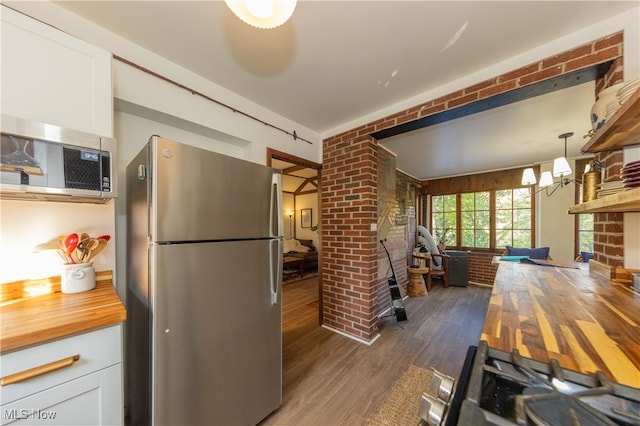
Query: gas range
point(504, 388)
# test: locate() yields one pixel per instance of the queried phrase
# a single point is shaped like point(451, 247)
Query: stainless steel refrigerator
point(203, 339)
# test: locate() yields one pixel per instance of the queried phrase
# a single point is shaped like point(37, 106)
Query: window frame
point(580, 165)
point(485, 182)
point(492, 219)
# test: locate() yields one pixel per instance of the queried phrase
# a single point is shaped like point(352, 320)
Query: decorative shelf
point(623, 129)
point(624, 201)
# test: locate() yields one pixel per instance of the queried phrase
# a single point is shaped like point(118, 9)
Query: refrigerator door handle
point(276, 205)
point(275, 263)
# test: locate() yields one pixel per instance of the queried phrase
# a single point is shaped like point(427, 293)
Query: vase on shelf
point(599, 110)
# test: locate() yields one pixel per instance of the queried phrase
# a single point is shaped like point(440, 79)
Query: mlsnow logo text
point(20, 414)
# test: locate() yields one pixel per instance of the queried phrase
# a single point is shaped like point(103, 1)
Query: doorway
point(301, 178)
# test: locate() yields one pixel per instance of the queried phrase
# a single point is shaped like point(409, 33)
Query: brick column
point(349, 246)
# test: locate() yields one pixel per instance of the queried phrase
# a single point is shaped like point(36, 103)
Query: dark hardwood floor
point(330, 379)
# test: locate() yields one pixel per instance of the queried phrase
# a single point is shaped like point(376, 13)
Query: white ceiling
point(335, 62)
point(524, 133)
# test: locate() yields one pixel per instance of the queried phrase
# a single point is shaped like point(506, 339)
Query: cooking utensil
point(102, 243)
point(85, 247)
point(64, 256)
point(53, 244)
point(69, 244)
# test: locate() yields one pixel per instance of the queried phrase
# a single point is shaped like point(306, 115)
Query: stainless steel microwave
point(40, 161)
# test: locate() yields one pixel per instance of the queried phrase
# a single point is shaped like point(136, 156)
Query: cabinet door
point(89, 400)
point(97, 349)
point(52, 77)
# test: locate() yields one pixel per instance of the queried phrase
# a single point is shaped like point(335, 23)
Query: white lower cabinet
point(86, 392)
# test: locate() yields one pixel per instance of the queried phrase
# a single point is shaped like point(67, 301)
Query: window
point(585, 233)
point(488, 219)
point(475, 226)
point(513, 218)
point(444, 217)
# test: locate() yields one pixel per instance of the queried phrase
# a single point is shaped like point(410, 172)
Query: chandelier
point(561, 169)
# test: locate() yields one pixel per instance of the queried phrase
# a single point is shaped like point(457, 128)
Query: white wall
point(308, 201)
point(25, 224)
point(554, 227)
point(288, 207)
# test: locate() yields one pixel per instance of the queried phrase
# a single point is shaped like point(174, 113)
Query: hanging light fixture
point(561, 168)
point(263, 14)
point(528, 177)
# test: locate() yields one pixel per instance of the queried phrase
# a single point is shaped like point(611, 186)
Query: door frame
point(299, 161)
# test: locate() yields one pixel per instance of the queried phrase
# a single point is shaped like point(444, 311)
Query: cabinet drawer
point(93, 399)
point(96, 349)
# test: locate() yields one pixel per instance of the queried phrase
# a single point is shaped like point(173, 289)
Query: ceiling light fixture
point(561, 168)
point(263, 14)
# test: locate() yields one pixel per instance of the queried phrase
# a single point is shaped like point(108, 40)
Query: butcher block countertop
point(34, 312)
point(583, 320)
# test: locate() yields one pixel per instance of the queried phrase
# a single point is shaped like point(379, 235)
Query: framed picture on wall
point(305, 218)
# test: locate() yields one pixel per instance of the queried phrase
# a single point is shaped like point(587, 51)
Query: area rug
point(292, 277)
point(401, 405)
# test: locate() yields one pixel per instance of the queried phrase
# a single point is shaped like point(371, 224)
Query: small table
point(294, 262)
point(417, 287)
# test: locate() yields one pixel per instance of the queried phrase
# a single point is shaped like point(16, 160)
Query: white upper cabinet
point(52, 77)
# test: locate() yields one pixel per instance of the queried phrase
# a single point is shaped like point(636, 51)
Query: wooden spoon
point(102, 243)
point(69, 244)
point(49, 245)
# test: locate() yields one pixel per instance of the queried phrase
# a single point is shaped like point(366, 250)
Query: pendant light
point(561, 166)
point(263, 14)
point(528, 177)
point(561, 169)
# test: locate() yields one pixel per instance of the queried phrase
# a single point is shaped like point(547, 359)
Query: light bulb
point(260, 9)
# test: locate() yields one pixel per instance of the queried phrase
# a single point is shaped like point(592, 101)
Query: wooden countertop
point(34, 312)
point(585, 321)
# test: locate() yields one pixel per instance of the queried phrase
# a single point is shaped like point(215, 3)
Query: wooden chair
point(442, 274)
point(438, 262)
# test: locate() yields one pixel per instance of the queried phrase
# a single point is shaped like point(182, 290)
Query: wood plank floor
point(330, 379)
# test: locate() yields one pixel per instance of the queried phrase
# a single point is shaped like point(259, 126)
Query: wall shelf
point(622, 130)
point(624, 201)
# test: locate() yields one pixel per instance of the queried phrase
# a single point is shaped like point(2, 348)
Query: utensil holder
point(77, 277)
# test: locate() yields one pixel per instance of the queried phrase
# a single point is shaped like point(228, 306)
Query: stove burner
point(550, 407)
point(504, 389)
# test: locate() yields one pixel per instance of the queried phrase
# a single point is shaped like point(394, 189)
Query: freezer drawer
point(458, 268)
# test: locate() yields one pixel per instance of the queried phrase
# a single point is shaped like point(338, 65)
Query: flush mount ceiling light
point(561, 169)
point(264, 14)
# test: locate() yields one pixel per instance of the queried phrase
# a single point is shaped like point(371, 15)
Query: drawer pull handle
point(38, 371)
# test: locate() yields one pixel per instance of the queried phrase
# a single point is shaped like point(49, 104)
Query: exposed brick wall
point(349, 248)
point(396, 224)
point(349, 187)
point(481, 270)
point(608, 247)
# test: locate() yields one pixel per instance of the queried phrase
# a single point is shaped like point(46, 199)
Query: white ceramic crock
point(77, 277)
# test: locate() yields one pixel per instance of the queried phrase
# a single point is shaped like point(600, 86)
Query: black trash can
point(458, 268)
